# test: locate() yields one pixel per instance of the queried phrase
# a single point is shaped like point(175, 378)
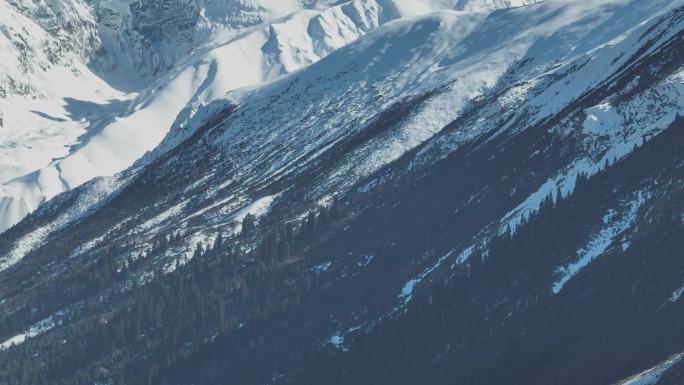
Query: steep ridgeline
point(456, 198)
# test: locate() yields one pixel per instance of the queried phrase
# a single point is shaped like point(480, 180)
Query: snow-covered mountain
point(88, 87)
point(418, 197)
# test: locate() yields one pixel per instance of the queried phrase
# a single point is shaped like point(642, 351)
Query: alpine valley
point(476, 192)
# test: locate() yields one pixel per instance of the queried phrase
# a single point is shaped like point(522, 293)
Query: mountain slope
point(56, 137)
point(72, 112)
point(455, 198)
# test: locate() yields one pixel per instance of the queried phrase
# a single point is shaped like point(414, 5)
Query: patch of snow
point(407, 290)
point(651, 376)
point(163, 217)
point(338, 342)
point(614, 225)
point(231, 207)
point(365, 260)
point(326, 201)
point(676, 295)
point(603, 119)
point(197, 238)
point(39, 327)
point(465, 254)
point(257, 208)
point(322, 267)
point(484, 5)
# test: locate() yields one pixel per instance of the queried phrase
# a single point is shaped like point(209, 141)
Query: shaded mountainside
point(518, 223)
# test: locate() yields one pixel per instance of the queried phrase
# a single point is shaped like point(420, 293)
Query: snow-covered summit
point(480, 5)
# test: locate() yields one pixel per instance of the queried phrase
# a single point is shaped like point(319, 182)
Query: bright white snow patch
point(36, 329)
point(407, 291)
point(338, 342)
point(257, 208)
point(676, 295)
point(365, 260)
point(614, 225)
point(484, 5)
point(163, 217)
point(465, 254)
point(322, 267)
point(603, 119)
point(651, 376)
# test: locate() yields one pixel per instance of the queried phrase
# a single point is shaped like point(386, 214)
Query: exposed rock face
point(150, 37)
point(71, 22)
point(39, 35)
point(145, 36)
point(479, 5)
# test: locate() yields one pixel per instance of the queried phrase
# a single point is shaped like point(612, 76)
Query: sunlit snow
point(652, 375)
